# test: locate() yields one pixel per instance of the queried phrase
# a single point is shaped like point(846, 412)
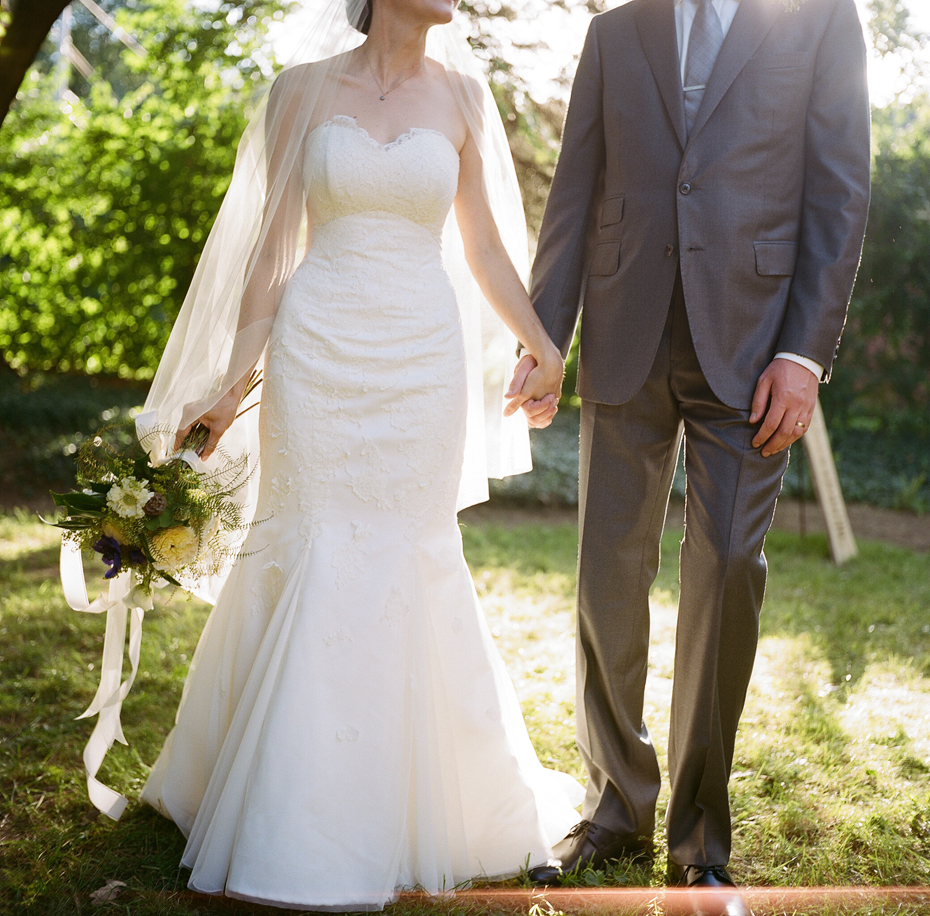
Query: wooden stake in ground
point(827, 489)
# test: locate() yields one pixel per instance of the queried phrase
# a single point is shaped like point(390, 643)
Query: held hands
point(786, 394)
point(536, 388)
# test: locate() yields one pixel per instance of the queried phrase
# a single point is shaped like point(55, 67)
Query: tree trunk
point(31, 22)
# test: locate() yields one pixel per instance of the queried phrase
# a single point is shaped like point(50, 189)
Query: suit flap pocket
point(606, 260)
point(775, 259)
point(611, 211)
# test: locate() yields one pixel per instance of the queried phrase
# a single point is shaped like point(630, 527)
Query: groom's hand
point(786, 394)
point(539, 414)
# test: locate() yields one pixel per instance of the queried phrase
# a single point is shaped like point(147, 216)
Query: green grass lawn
point(831, 781)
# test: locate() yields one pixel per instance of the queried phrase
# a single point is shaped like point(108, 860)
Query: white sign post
point(827, 489)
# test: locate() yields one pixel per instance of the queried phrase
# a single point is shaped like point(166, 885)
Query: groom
point(707, 213)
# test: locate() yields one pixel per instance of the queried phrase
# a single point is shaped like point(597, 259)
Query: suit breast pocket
point(611, 218)
point(793, 61)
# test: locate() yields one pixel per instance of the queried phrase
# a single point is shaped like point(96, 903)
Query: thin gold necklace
point(386, 92)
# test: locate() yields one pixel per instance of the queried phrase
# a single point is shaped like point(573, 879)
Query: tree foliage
point(894, 38)
point(533, 125)
point(23, 27)
point(882, 378)
point(109, 197)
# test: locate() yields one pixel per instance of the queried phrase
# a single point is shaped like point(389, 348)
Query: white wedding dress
point(348, 728)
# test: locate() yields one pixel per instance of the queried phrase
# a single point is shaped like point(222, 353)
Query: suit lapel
point(655, 23)
point(752, 22)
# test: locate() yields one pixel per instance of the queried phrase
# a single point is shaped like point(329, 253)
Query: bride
point(347, 728)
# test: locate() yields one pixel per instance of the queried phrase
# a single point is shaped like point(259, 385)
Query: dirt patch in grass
point(903, 529)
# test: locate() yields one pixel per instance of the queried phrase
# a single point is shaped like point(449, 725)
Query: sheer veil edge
point(258, 240)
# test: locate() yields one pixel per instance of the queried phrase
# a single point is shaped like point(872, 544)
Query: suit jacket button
point(669, 250)
point(685, 187)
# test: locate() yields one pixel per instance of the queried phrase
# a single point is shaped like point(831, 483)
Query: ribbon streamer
point(122, 602)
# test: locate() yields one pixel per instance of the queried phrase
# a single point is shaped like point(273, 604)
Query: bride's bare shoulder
point(298, 90)
point(470, 98)
point(311, 76)
point(460, 82)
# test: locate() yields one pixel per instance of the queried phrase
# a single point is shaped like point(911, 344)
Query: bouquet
point(151, 523)
point(163, 522)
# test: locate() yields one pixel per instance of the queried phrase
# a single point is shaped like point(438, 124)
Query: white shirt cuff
point(814, 366)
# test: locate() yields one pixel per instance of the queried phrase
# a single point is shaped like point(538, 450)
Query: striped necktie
point(703, 46)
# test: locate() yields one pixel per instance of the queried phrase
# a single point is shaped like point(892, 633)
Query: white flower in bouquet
point(176, 547)
point(128, 498)
point(140, 596)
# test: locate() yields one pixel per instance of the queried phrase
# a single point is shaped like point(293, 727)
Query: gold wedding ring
point(802, 425)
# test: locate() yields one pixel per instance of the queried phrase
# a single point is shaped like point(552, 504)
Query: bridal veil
point(259, 238)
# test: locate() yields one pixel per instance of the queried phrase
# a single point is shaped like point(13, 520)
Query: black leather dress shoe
point(715, 893)
point(588, 846)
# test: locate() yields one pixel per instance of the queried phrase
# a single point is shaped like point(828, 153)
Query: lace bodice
point(347, 172)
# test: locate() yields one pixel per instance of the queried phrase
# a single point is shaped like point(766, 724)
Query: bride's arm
point(272, 262)
point(271, 266)
point(501, 285)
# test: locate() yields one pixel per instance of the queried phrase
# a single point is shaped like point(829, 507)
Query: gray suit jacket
point(763, 205)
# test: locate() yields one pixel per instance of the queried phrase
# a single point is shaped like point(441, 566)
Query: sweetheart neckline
point(351, 121)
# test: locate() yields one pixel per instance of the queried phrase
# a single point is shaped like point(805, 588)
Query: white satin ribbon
point(121, 601)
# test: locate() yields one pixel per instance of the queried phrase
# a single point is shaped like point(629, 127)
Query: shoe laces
point(579, 828)
point(696, 872)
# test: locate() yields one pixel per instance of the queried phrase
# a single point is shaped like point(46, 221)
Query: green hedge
point(45, 418)
point(889, 469)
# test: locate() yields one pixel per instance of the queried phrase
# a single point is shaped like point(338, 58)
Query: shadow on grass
point(875, 607)
point(813, 804)
point(56, 851)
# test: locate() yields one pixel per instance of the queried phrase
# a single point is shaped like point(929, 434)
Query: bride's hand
point(216, 420)
point(536, 387)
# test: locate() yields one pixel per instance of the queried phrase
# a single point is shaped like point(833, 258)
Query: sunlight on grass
point(530, 609)
point(831, 781)
point(22, 534)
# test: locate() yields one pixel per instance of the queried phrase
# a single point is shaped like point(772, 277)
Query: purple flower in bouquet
point(111, 554)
